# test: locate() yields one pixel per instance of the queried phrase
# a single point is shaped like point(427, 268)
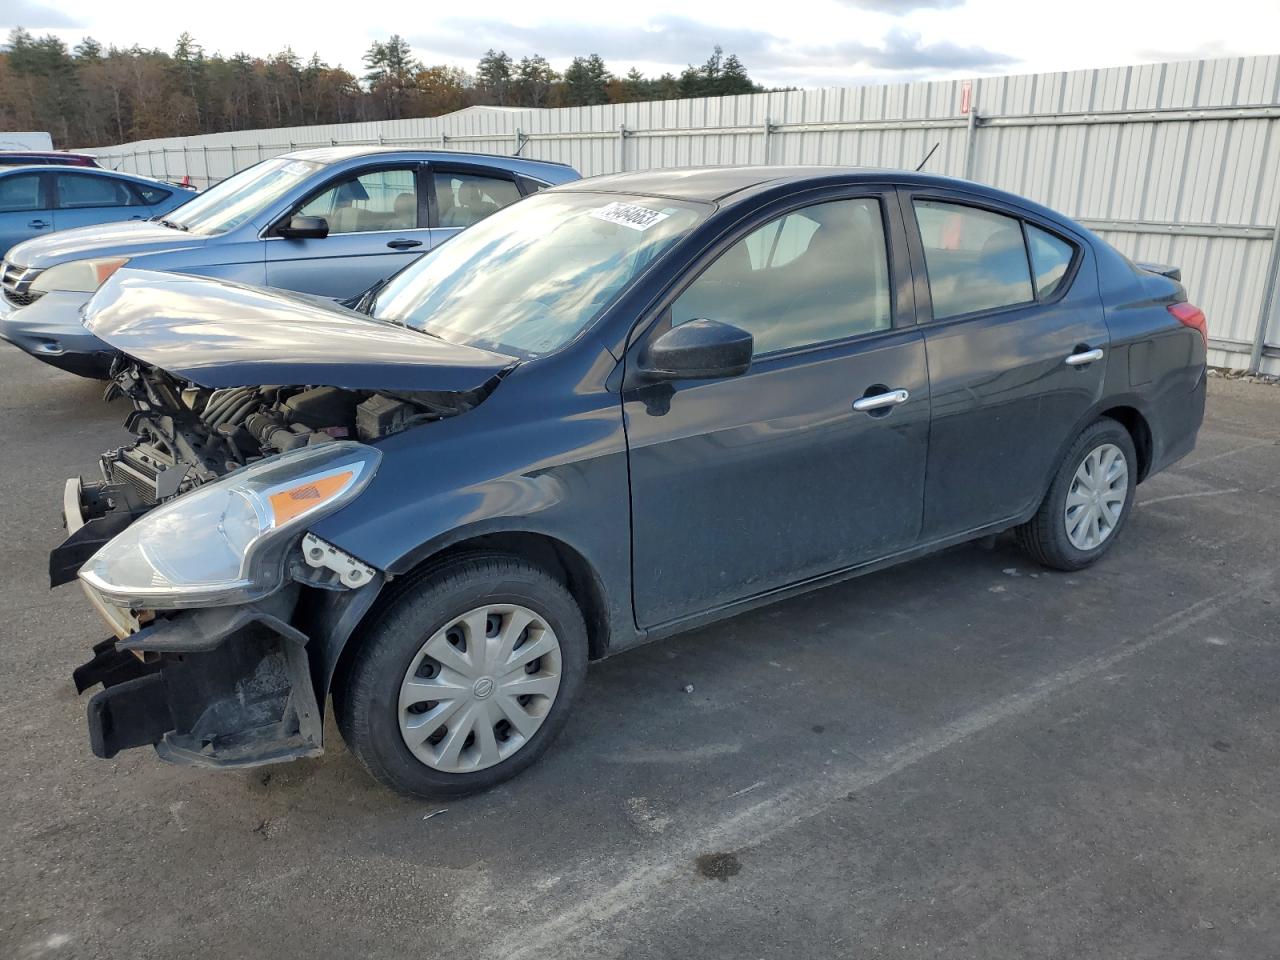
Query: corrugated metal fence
point(1173, 163)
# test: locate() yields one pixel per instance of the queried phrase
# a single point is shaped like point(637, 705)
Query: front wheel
point(1088, 501)
point(464, 679)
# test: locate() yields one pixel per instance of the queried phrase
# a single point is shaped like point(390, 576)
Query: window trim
point(924, 308)
point(473, 169)
point(271, 231)
point(657, 320)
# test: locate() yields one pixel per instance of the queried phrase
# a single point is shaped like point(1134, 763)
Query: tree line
point(93, 95)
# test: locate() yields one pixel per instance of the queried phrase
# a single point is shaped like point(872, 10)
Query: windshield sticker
point(629, 215)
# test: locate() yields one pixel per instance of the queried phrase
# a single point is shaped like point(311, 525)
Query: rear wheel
point(1088, 502)
point(464, 680)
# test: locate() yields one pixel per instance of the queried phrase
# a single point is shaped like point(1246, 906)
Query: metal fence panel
point(1171, 162)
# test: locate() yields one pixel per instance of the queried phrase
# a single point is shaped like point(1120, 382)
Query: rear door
point(1017, 346)
point(25, 208)
point(85, 199)
point(744, 485)
point(377, 219)
point(462, 195)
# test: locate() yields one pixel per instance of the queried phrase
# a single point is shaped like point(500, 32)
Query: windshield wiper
point(169, 223)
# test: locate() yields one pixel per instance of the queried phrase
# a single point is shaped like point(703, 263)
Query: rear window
point(976, 260)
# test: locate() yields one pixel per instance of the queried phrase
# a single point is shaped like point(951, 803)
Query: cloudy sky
point(796, 42)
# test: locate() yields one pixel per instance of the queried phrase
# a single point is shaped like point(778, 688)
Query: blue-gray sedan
point(329, 222)
point(36, 200)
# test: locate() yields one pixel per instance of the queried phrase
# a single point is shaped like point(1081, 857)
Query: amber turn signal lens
point(287, 504)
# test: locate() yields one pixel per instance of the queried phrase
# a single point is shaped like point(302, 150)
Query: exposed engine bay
point(188, 435)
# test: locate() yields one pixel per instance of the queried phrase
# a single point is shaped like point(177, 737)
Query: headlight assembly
point(78, 276)
point(225, 542)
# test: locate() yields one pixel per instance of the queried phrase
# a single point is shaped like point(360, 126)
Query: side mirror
point(698, 350)
point(305, 228)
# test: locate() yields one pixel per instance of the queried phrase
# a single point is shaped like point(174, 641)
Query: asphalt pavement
point(963, 757)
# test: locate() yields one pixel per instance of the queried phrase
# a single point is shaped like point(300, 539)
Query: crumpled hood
point(130, 238)
point(220, 334)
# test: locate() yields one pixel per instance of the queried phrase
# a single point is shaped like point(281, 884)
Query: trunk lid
point(219, 334)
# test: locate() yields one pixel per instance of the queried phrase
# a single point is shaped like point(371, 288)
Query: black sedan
point(619, 409)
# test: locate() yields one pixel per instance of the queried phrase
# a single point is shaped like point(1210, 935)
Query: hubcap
point(479, 688)
point(1096, 497)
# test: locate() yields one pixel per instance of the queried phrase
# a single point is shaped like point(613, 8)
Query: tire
point(1049, 537)
point(379, 693)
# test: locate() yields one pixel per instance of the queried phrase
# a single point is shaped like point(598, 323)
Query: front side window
point(814, 275)
point(1051, 257)
point(466, 198)
point(245, 196)
point(378, 200)
point(77, 190)
point(976, 259)
point(20, 192)
point(528, 279)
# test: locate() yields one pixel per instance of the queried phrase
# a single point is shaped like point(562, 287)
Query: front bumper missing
point(215, 687)
point(222, 687)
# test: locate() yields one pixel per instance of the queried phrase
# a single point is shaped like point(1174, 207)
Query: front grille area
point(15, 281)
point(144, 486)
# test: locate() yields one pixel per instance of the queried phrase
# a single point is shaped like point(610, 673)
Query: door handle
point(1088, 356)
point(881, 400)
point(404, 244)
point(38, 224)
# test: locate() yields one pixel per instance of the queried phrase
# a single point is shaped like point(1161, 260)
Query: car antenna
point(928, 155)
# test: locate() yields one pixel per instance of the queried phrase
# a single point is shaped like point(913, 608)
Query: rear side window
point(150, 194)
point(1051, 256)
point(976, 259)
point(75, 190)
point(20, 192)
point(811, 276)
point(466, 198)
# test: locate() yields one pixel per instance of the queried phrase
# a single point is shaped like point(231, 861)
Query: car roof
point(54, 154)
point(86, 171)
point(729, 185)
point(328, 155)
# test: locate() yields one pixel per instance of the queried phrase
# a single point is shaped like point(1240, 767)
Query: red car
point(8, 159)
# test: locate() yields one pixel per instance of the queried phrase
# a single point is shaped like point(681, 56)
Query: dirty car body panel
point(661, 502)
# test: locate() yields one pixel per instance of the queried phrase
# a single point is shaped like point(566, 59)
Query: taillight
point(1190, 315)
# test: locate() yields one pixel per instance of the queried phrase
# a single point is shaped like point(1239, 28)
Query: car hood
point(128, 239)
point(220, 334)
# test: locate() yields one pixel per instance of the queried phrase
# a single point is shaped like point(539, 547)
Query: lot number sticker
point(629, 215)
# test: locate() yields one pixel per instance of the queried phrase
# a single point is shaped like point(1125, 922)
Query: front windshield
point(242, 196)
point(526, 280)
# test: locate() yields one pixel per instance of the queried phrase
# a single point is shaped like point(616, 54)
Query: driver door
point(745, 485)
point(377, 224)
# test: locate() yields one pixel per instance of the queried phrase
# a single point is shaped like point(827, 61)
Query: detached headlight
point(78, 276)
point(226, 542)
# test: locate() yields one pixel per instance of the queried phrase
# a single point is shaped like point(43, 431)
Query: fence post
point(622, 148)
point(1270, 301)
point(208, 177)
point(970, 140)
point(766, 132)
point(519, 143)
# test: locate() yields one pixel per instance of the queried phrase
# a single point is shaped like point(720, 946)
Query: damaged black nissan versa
point(614, 411)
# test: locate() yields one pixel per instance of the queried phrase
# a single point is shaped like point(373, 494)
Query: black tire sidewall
point(1101, 432)
point(370, 705)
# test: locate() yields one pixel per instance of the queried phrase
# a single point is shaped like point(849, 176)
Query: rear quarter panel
point(1157, 365)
